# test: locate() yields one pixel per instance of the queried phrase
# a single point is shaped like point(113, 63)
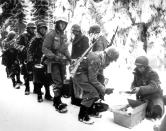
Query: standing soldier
point(146, 84)
point(10, 59)
point(95, 35)
point(35, 55)
point(26, 69)
point(85, 83)
point(80, 42)
point(100, 45)
point(56, 51)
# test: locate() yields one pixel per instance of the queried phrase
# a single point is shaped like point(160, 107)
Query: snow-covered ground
point(23, 113)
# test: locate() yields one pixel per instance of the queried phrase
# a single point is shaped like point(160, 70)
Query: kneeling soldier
point(85, 83)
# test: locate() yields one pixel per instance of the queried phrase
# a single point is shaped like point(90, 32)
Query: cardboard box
point(130, 118)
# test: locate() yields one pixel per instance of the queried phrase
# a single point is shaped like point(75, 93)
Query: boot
point(38, 87)
point(48, 97)
point(59, 106)
point(18, 79)
point(83, 115)
point(39, 98)
point(47, 94)
point(7, 72)
point(13, 82)
point(35, 88)
point(93, 112)
point(27, 88)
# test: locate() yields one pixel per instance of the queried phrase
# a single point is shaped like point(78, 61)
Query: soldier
point(85, 83)
point(26, 68)
point(80, 42)
point(56, 51)
point(10, 59)
point(35, 55)
point(146, 84)
point(100, 44)
point(95, 35)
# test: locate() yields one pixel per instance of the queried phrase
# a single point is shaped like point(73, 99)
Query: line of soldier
point(43, 57)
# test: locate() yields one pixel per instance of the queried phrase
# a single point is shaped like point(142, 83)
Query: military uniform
point(56, 51)
point(10, 59)
point(79, 46)
point(35, 56)
point(26, 68)
point(85, 82)
point(149, 90)
point(80, 43)
point(101, 44)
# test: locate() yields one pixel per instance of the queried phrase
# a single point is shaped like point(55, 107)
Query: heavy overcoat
point(79, 46)
point(85, 83)
point(150, 89)
point(101, 44)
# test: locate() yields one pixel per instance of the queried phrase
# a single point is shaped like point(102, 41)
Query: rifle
point(113, 37)
point(76, 64)
point(127, 92)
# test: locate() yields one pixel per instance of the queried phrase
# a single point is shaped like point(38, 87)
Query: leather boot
point(83, 115)
point(47, 93)
point(59, 106)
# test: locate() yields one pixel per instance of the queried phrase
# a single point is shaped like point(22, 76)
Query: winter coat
point(79, 46)
point(24, 40)
point(7, 44)
point(85, 83)
point(100, 44)
point(55, 48)
point(148, 82)
point(149, 91)
point(35, 49)
point(10, 54)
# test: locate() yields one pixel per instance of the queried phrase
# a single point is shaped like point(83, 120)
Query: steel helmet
point(76, 27)
point(61, 19)
point(112, 53)
point(41, 24)
point(31, 25)
point(142, 60)
point(11, 35)
point(94, 29)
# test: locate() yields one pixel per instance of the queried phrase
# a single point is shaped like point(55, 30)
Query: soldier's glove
point(108, 91)
point(135, 89)
point(101, 94)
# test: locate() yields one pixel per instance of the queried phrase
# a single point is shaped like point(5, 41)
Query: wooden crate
point(131, 119)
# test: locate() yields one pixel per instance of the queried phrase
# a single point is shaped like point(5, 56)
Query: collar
point(39, 35)
point(77, 39)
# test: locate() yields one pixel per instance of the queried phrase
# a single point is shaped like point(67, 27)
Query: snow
point(24, 113)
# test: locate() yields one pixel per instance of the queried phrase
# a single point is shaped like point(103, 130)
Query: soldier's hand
point(136, 89)
point(108, 91)
point(101, 94)
point(101, 97)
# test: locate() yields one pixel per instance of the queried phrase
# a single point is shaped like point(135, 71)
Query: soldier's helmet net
point(112, 53)
point(31, 25)
point(76, 27)
point(64, 19)
point(41, 24)
point(11, 35)
point(142, 60)
point(95, 29)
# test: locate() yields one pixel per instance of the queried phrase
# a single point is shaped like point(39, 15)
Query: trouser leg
point(38, 87)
